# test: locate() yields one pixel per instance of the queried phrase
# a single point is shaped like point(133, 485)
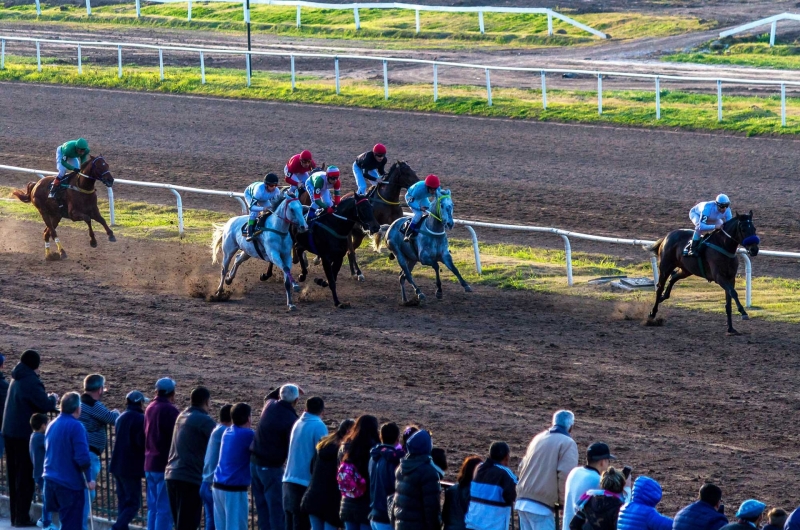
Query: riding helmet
point(82, 143)
point(432, 181)
point(379, 149)
point(723, 200)
point(306, 155)
point(332, 172)
point(271, 178)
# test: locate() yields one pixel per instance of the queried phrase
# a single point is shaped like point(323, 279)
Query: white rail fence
point(468, 224)
point(657, 79)
point(355, 7)
point(772, 21)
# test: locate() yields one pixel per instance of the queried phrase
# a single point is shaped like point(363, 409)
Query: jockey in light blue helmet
point(707, 217)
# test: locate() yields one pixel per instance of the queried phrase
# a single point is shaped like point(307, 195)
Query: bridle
point(285, 206)
point(438, 209)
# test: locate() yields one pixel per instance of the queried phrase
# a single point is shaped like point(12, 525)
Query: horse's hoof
point(296, 287)
point(93, 244)
point(63, 254)
point(317, 260)
point(409, 303)
point(321, 282)
point(439, 295)
point(265, 276)
point(420, 297)
point(343, 305)
point(467, 289)
point(733, 333)
point(291, 307)
point(112, 238)
point(302, 277)
point(52, 257)
point(361, 278)
point(745, 317)
point(228, 281)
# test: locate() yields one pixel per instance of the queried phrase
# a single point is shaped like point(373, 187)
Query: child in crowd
point(36, 447)
point(776, 518)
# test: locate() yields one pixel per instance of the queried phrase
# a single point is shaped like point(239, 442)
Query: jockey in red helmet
point(370, 166)
point(418, 198)
point(297, 169)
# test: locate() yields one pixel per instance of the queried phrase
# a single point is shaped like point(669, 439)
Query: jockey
point(707, 217)
point(297, 169)
point(370, 166)
point(418, 198)
point(319, 186)
point(70, 156)
point(261, 196)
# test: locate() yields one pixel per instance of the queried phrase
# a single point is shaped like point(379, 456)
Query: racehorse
point(327, 238)
point(80, 203)
point(717, 262)
point(273, 244)
point(429, 247)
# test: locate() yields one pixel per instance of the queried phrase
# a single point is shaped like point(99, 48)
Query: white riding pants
point(701, 228)
point(61, 169)
point(361, 181)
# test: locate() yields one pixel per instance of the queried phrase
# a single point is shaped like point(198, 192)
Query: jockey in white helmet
point(707, 217)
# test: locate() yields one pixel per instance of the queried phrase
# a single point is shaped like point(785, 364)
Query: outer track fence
point(470, 225)
point(246, 55)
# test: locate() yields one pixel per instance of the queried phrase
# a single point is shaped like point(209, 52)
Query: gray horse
point(429, 247)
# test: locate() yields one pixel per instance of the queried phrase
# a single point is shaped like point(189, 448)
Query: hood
point(413, 462)
point(646, 491)
point(420, 443)
point(306, 417)
point(22, 371)
point(386, 452)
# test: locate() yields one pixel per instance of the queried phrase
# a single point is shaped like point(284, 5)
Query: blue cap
point(420, 443)
point(135, 396)
point(751, 509)
point(165, 384)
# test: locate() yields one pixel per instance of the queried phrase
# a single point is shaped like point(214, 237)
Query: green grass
point(505, 266)
point(749, 115)
point(746, 51)
point(436, 29)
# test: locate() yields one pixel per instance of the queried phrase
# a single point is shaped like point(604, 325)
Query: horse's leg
point(54, 224)
point(438, 280)
point(351, 255)
point(327, 265)
point(267, 275)
point(300, 257)
point(403, 287)
point(99, 218)
point(407, 267)
point(665, 271)
point(731, 331)
point(288, 284)
point(46, 237)
point(674, 278)
point(729, 288)
point(447, 259)
point(353, 243)
point(226, 260)
point(241, 257)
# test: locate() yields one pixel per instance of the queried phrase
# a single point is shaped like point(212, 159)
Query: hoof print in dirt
point(411, 303)
point(224, 296)
point(654, 322)
point(52, 257)
point(733, 333)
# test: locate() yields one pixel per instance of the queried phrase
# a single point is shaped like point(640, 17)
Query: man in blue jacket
point(704, 514)
point(127, 459)
point(66, 464)
point(493, 491)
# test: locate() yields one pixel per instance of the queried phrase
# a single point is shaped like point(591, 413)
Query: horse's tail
point(379, 239)
point(216, 242)
point(656, 247)
point(24, 196)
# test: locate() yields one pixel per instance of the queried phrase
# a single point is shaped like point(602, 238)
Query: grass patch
point(436, 29)
point(749, 115)
point(504, 266)
point(753, 51)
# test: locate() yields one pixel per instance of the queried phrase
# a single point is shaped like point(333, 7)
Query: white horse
point(273, 244)
point(429, 247)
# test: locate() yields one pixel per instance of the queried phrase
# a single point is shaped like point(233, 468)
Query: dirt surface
point(473, 367)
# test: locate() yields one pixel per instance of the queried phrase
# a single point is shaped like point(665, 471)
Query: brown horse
point(79, 202)
point(717, 263)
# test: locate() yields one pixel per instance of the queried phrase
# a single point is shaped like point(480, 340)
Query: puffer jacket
point(641, 513)
point(322, 497)
point(416, 501)
point(456, 504)
point(699, 516)
point(382, 465)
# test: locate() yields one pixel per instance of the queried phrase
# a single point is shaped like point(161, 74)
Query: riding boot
point(251, 229)
point(54, 189)
point(691, 248)
point(411, 231)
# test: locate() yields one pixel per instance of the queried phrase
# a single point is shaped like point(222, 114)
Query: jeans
point(533, 521)
point(187, 507)
point(207, 495)
point(45, 519)
point(129, 492)
point(20, 479)
point(68, 503)
point(267, 493)
point(159, 516)
point(296, 519)
point(230, 509)
point(94, 471)
point(356, 526)
point(319, 524)
point(381, 526)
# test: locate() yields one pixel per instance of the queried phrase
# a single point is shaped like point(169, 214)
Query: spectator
point(159, 424)
point(598, 509)
point(793, 522)
point(66, 464)
point(322, 498)
point(268, 455)
point(232, 476)
point(748, 516)
point(95, 417)
point(416, 502)
point(210, 463)
point(439, 460)
point(408, 432)
point(127, 459)
point(39, 423)
point(26, 396)
point(550, 457)
point(776, 518)
point(306, 433)
point(456, 498)
point(582, 479)
point(354, 484)
point(184, 472)
point(704, 514)
point(493, 491)
point(640, 513)
point(382, 465)
point(3, 394)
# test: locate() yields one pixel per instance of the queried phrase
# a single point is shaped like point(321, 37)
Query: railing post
point(544, 90)
point(658, 98)
point(488, 88)
point(111, 216)
point(357, 20)
point(161, 63)
point(80, 60)
point(298, 16)
point(88, 7)
point(291, 58)
point(654, 265)
point(38, 57)
point(549, 23)
point(138, 8)
point(480, 21)
point(202, 69)
point(180, 211)
point(475, 249)
point(385, 79)
point(568, 256)
point(247, 65)
point(417, 19)
point(242, 204)
point(772, 32)
point(119, 61)
point(435, 82)
point(719, 100)
point(748, 275)
point(2, 54)
point(38, 8)
point(336, 69)
point(189, 12)
point(783, 104)
point(600, 94)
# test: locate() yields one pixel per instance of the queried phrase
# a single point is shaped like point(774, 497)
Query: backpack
point(351, 484)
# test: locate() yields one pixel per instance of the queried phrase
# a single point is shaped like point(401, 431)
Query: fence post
point(119, 61)
point(111, 217)
point(189, 12)
point(138, 8)
point(748, 274)
point(88, 7)
point(247, 65)
point(480, 21)
point(2, 54)
point(385, 79)
point(161, 63)
point(658, 98)
point(544, 90)
point(336, 68)
point(772, 32)
point(38, 8)
point(355, 17)
point(475, 249)
point(292, 61)
point(435, 82)
point(719, 100)
point(298, 16)
point(80, 61)
point(202, 69)
point(417, 18)
point(243, 204)
point(654, 265)
point(568, 257)
point(180, 211)
point(549, 23)
point(600, 94)
point(488, 88)
point(38, 57)
point(783, 104)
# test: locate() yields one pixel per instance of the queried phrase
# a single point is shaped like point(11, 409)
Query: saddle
point(260, 222)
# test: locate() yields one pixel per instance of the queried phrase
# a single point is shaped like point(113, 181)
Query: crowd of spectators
point(362, 476)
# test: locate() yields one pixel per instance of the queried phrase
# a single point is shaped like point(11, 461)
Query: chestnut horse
point(79, 203)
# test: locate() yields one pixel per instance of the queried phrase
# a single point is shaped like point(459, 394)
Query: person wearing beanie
point(26, 397)
point(776, 519)
point(704, 514)
point(493, 491)
point(748, 516)
point(416, 499)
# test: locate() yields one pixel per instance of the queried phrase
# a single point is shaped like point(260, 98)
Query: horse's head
point(98, 170)
point(294, 213)
point(401, 174)
point(444, 208)
point(364, 214)
point(745, 233)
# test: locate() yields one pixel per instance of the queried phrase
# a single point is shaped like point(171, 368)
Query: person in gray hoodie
point(306, 433)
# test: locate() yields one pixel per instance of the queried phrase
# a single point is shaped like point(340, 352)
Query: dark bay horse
point(80, 203)
point(717, 262)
